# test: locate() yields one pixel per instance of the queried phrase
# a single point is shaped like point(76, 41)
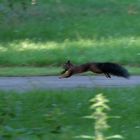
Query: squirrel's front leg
point(67, 74)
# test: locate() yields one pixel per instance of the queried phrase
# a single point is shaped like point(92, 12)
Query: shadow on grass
point(57, 21)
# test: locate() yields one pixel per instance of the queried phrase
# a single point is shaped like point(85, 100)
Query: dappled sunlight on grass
point(124, 42)
point(40, 53)
point(3, 49)
point(25, 45)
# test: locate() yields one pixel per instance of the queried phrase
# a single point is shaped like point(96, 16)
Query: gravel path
point(53, 82)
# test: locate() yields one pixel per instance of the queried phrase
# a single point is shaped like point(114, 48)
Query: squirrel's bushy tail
point(114, 69)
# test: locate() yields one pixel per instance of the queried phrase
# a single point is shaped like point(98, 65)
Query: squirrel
point(106, 68)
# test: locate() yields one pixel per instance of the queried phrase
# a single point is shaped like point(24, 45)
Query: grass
point(50, 33)
point(47, 71)
point(30, 71)
point(36, 115)
point(26, 53)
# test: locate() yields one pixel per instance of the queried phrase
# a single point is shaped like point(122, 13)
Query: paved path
point(53, 82)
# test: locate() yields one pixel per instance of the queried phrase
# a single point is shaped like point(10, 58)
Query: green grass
point(34, 115)
point(134, 70)
point(27, 53)
point(54, 31)
point(48, 71)
point(30, 71)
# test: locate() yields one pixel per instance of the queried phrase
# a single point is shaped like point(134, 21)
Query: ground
point(23, 84)
point(37, 39)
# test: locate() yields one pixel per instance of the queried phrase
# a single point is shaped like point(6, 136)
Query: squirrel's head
point(67, 65)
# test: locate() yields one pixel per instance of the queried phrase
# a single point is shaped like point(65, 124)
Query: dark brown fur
point(106, 68)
